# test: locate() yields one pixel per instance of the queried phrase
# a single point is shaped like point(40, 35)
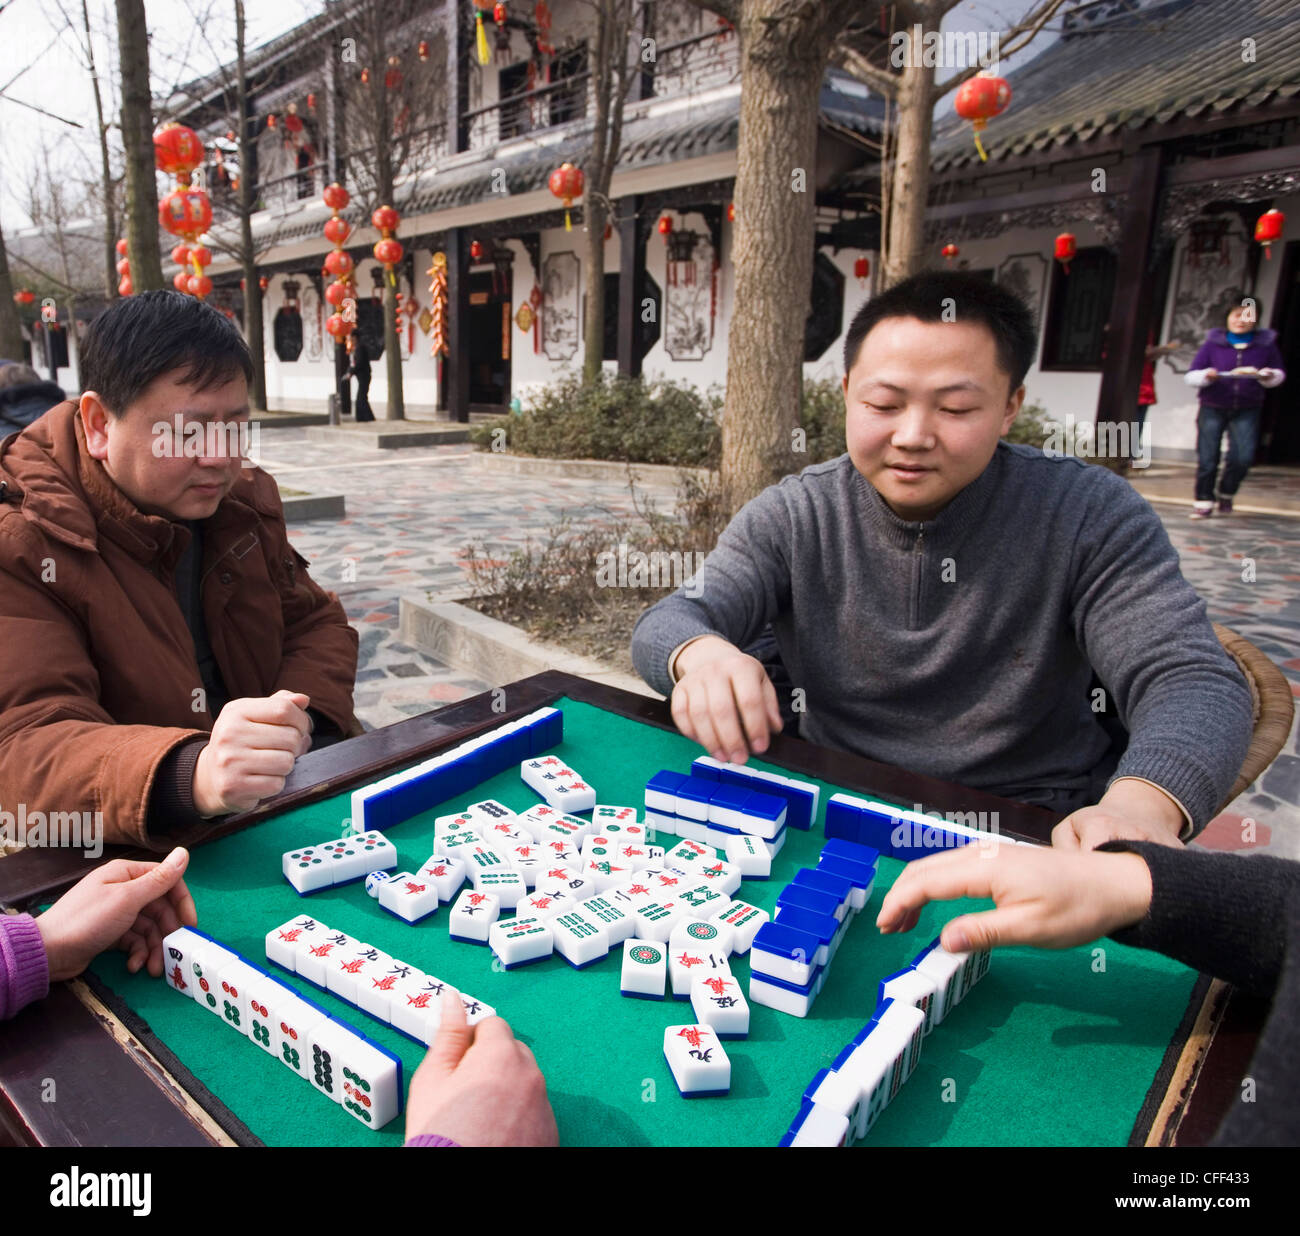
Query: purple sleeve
point(1202, 358)
point(24, 970)
point(431, 1139)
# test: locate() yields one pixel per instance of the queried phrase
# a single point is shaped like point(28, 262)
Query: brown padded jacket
point(98, 676)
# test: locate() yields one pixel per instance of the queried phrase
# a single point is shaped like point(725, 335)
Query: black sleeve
point(1223, 914)
point(171, 800)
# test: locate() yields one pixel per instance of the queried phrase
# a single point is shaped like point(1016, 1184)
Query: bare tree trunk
point(137, 141)
point(106, 168)
point(910, 182)
point(593, 330)
point(784, 47)
point(385, 175)
point(11, 335)
point(254, 331)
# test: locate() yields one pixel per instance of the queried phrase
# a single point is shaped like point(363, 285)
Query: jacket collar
point(949, 525)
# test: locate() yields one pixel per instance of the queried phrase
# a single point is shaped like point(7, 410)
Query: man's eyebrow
point(965, 385)
point(207, 416)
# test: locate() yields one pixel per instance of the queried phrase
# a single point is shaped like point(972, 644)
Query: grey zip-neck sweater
point(964, 647)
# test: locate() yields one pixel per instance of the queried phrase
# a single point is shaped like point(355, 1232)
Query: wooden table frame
point(138, 1094)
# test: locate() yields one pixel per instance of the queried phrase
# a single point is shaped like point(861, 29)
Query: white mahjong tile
point(578, 938)
point(372, 1082)
point(688, 959)
point(408, 896)
point(702, 900)
point(475, 1009)
point(446, 871)
point(349, 969)
point(605, 872)
point(640, 855)
point(565, 882)
point(615, 919)
point(177, 950)
point(377, 988)
point(505, 833)
point(688, 854)
point(744, 921)
point(282, 942)
point(529, 859)
point(459, 844)
point(544, 905)
point(797, 1004)
point(562, 853)
point(416, 1006)
point(306, 869)
point(507, 885)
point(704, 933)
point(314, 954)
point(490, 810)
point(295, 1020)
point(914, 987)
point(480, 858)
point(690, 830)
point(472, 913)
point(619, 822)
point(207, 958)
point(946, 969)
point(545, 823)
point(750, 855)
point(323, 1059)
point(696, 1059)
point(645, 968)
point(722, 875)
point(264, 997)
point(232, 983)
point(655, 920)
point(446, 826)
point(597, 844)
point(348, 859)
point(517, 941)
point(717, 1001)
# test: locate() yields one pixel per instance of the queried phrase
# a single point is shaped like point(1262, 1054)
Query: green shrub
point(615, 418)
point(1030, 427)
point(821, 413)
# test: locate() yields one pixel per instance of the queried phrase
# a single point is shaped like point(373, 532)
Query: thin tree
point(611, 76)
point(11, 334)
point(137, 144)
point(394, 112)
point(912, 95)
point(253, 327)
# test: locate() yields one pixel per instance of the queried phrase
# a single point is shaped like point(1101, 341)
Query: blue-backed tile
point(824, 882)
point(800, 897)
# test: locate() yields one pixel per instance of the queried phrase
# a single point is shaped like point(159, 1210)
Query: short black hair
point(973, 299)
point(139, 338)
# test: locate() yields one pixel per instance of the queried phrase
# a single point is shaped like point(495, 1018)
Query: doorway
point(489, 339)
point(1279, 427)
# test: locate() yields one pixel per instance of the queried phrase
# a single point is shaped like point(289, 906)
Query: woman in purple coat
point(1232, 370)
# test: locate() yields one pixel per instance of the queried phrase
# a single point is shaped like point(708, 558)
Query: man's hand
point(1130, 810)
point(724, 700)
point(1044, 897)
point(479, 1086)
point(130, 904)
point(252, 750)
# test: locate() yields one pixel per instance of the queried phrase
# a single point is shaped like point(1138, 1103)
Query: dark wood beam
point(1130, 307)
point(631, 283)
point(458, 70)
point(455, 367)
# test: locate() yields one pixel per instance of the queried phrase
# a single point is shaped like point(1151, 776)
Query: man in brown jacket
point(164, 655)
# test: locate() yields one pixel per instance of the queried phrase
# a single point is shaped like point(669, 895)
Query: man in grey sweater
point(941, 599)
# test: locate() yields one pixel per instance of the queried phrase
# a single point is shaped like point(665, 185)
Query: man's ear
point(94, 420)
point(1013, 409)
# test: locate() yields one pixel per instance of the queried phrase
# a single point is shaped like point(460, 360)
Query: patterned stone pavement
point(411, 514)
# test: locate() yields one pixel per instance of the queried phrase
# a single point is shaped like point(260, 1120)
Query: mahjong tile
point(723, 875)
point(471, 914)
point(326, 1042)
point(656, 919)
point(697, 1061)
point(376, 991)
point(579, 939)
point(529, 859)
point(447, 872)
point(306, 869)
point(520, 940)
point(314, 955)
point(409, 897)
point(295, 1019)
point(178, 948)
point(744, 921)
point(282, 942)
point(207, 958)
point(348, 970)
point(416, 1006)
point(231, 986)
point(645, 969)
point(717, 1001)
point(264, 997)
point(371, 1080)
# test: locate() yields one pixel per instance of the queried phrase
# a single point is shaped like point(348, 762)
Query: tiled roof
point(1135, 65)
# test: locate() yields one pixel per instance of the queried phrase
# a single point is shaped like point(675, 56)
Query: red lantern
point(862, 268)
point(121, 247)
point(311, 102)
point(1268, 228)
point(124, 286)
point(389, 252)
point(950, 251)
point(338, 327)
point(181, 281)
point(336, 196)
point(978, 100)
point(475, 250)
point(499, 15)
point(665, 227)
point(1065, 250)
point(339, 262)
point(123, 266)
point(566, 183)
point(422, 49)
point(393, 74)
point(24, 296)
point(200, 286)
point(292, 121)
point(337, 293)
point(177, 151)
point(185, 212)
point(263, 283)
point(731, 212)
point(270, 121)
point(337, 230)
point(365, 77)
point(181, 255)
point(201, 255)
point(385, 219)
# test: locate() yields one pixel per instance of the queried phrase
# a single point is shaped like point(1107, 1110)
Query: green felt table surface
point(1051, 1048)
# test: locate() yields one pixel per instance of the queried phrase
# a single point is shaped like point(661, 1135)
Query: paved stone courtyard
point(412, 512)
